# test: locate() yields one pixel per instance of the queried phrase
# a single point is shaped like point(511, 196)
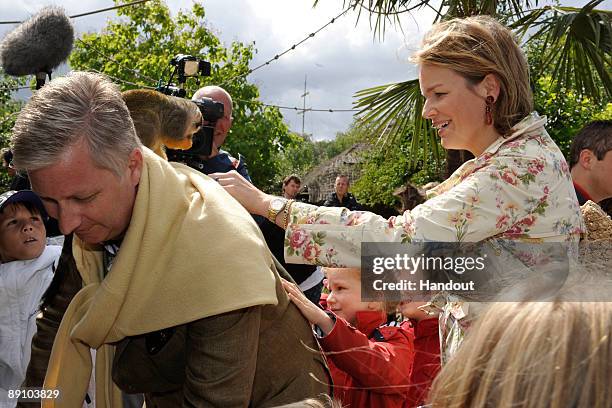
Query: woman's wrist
point(263, 205)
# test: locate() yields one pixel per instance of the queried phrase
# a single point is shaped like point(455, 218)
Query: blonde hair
point(539, 354)
point(81, 105)
point(475, 47)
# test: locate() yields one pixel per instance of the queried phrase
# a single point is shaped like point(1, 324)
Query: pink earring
point(488, 110)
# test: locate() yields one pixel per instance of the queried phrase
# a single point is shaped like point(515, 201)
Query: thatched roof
point(320, 181)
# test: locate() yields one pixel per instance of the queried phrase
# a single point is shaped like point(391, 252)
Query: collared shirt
point(519, 189)
point(582, 195)
point(222, 162)
point(349, 202)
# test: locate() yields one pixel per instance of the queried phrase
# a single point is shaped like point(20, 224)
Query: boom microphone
point(38, 45)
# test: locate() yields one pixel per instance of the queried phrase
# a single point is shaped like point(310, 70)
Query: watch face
point(278, 204)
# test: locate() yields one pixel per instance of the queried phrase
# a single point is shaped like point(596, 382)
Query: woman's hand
point(254, 200)
point(313, 313)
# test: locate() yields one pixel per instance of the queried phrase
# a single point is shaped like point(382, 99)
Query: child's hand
point(311, 312)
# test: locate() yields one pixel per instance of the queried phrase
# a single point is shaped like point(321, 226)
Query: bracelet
point(286, 212)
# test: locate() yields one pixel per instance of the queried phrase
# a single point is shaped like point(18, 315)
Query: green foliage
point(136, 51)
point(566, 111)
point(331, 148)
point(299, 157)
point(387, 168)
point(576, 45)
point(382, 173)
point(8, 113)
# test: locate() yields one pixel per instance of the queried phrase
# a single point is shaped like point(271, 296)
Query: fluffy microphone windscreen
point(39, 44)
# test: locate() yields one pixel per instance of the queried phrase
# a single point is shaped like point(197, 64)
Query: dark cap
point(22, 196)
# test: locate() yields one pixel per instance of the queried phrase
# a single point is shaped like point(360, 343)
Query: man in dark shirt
point(219, 161)
point(341, 197)
point(591, 162)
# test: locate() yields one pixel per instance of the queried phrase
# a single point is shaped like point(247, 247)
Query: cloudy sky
point(338, 61)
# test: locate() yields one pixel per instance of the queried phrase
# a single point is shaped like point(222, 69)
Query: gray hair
point(79, 105)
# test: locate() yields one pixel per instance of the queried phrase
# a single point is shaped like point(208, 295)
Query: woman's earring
point(488, 110)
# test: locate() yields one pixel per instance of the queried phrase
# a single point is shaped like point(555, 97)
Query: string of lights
point(293, 47)
point(123, 81)
point(88, 13)
point(136, 72)
point(119, 80)
point(311, 109)
point(139, 75)
point(276, 57)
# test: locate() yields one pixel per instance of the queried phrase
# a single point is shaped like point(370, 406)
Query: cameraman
point(219, 160)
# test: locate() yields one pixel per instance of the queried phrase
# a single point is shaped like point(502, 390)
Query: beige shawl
point(190, 251)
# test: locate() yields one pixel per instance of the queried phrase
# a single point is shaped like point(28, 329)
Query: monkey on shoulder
point(163, 121)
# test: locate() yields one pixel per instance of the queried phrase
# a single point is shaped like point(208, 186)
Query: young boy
point(26, 269)
point(370, 361)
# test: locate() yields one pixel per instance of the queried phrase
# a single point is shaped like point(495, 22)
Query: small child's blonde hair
point(532, 354)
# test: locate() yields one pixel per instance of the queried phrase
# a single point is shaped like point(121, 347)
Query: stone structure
point(319, 182)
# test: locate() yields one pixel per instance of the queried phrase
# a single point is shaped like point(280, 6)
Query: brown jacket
point(172, 376)
point(182, 372)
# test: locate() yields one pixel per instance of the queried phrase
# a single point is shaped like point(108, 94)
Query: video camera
point(186, 66)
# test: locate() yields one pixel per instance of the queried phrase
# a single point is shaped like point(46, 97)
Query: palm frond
point(395, 109)
point(577, 44)
point(386, 12)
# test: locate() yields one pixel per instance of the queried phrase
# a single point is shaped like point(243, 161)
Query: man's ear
point(586, 159)
point(490, 86)
point(135, 163)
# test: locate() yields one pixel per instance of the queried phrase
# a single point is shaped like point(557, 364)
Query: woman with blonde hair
point(534, 354)
point(518, 187)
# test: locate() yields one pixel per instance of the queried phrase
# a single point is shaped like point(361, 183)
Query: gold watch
point(276, 206)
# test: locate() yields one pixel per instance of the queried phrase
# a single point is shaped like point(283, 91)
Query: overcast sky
point(340, 60)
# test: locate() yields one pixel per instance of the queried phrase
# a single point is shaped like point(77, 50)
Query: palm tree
point(576, 46)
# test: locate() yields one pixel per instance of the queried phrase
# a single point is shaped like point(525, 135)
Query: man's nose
point(68, 220)
point(27, 227)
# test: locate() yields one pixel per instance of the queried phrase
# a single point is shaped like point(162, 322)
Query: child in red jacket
point(370, 362)
point(426, 351)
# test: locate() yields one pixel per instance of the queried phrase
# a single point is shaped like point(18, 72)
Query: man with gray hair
point(177, 303)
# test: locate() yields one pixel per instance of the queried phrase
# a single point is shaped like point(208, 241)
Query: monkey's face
point(186, 141)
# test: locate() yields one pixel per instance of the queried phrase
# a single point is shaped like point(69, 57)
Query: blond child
point(556, 353)
point(370, 361)
point(26, 270)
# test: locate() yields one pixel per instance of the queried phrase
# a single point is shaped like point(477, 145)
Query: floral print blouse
point(519, 188)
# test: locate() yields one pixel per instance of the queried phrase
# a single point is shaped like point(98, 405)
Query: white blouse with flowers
point(519, 189)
